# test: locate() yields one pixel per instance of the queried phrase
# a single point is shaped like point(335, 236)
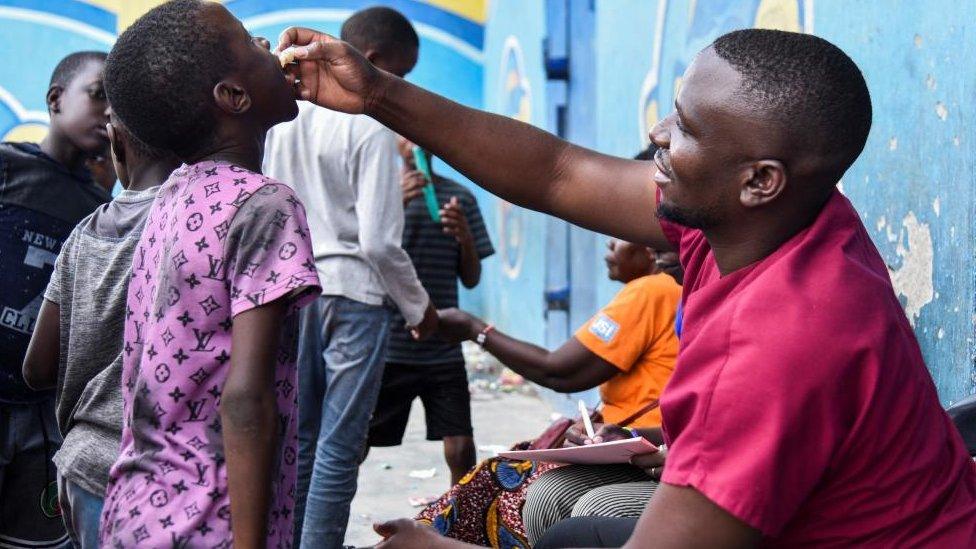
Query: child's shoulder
point(273, 192)
point(12, 155)
point(233, 182)
point(267, 199)
point(11, 147)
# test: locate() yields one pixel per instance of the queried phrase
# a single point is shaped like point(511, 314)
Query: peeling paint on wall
point(913, 279)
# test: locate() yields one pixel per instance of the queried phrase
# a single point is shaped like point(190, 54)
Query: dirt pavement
point(384, 481)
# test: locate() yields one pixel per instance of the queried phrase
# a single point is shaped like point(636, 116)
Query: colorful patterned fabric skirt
point(485, 508)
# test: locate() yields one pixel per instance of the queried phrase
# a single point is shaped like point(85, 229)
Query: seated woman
point(628, 348)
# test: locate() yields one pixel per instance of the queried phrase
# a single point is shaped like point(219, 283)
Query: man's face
point(272, 98)
point(702, 145)
point(82, 110)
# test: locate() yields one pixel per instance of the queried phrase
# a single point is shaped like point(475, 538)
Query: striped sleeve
point(482, 242)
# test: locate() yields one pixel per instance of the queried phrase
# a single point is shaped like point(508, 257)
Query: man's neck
point(744, 243)
point(733, 252)
point(63, 151)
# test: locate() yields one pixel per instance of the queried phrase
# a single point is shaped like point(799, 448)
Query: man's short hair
point(68, 68)
point(160, 76)
point(806, 84)
point(382, 29)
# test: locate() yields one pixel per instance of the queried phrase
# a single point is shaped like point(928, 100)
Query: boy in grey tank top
point(77, 343)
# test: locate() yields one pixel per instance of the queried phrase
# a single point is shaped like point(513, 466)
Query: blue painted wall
point(913, 185)
point(515, 86)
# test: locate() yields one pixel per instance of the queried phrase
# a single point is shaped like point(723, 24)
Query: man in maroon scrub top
point(800, 411)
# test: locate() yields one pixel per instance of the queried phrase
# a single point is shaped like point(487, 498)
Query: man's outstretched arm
point(511, 159)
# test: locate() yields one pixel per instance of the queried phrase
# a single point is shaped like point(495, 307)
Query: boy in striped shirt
point(442, 252)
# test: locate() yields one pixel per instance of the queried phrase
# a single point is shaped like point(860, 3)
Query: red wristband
point(482, 337)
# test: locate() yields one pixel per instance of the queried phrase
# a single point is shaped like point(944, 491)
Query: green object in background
point(430, 197)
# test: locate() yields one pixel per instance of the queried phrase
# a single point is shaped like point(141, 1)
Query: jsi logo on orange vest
point(604, 328)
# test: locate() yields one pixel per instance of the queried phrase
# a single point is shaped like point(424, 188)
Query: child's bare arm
point(40, 367)
point(248, 412)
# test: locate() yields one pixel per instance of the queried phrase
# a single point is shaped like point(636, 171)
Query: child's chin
point(285, 113)
point(292, 111)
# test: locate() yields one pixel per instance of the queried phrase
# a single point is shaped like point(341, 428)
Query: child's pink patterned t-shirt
point(219, 240)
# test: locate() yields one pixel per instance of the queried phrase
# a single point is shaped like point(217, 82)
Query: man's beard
point(702, 218)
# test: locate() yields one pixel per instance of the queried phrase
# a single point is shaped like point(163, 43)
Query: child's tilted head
point(187, 73)
point(76, 102)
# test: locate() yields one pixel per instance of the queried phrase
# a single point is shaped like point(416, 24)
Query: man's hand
point(427, 326)
point(456, 325)
point(410, 534)
point(455, 223)
point(412, 182)
point(330, 72)
point(603, 432)
point(652, 464)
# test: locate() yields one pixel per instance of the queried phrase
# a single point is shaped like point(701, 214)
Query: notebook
point(618, 451)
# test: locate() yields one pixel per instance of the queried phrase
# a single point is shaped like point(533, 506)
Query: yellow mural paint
point(778, 15)
point(110, 5)
point(127, 11)
point(130, 10)
point(30, 132)
point(475, 10)
point(651, 117)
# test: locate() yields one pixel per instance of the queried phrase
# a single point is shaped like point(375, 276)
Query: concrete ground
point(385, 486)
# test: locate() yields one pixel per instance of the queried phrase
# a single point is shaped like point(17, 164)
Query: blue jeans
point(82, 511)
point(342, 348)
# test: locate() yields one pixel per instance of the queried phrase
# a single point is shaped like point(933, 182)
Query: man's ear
point(54, 99)
point(231, 97)
point(765, 181)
